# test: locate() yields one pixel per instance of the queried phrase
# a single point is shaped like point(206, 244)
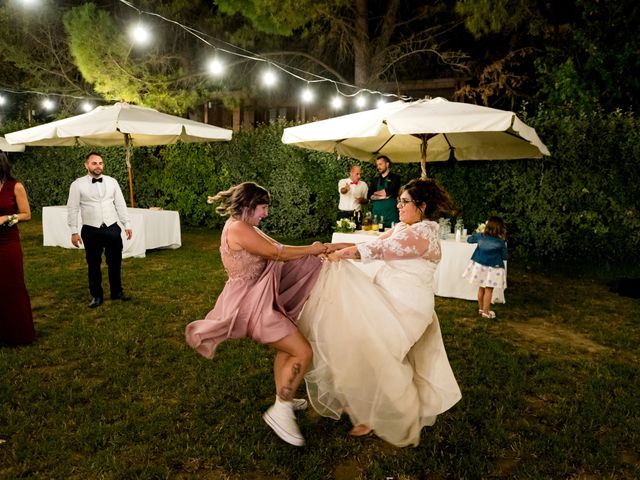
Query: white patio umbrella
point(8, 147)
point(422, 130)
point(121, 124)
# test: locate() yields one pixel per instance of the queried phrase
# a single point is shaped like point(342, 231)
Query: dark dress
point(16, 322)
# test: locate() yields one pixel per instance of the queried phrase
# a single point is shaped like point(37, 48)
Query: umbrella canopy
point(119, 125)
point(425, 129)
point(7, 147)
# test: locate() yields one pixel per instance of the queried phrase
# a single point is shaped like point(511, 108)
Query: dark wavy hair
point(5, 168)
point(436, 200)
point(241, 200)
point(495, 227)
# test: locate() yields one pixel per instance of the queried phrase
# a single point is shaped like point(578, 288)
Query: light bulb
point(380, 103)
point(48, 104)
point(336, 102)
point(361, 102)
point(86, 106)
point(140, 34)
point(307, 95)
point(3, 100)
point(269, 78)
point(216, 67)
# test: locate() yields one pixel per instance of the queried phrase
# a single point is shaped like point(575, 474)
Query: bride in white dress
point(378, 350)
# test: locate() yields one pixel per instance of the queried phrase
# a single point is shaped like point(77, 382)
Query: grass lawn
point(550, 389)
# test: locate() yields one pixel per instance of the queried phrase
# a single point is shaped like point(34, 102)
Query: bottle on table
point(459, 228)
point(381, 223)
point(366, 223)
point(374, 225)
point(357, 219)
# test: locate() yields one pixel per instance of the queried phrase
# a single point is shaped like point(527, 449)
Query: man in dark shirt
point(383, 192)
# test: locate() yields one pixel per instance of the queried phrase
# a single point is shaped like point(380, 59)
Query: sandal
point(489, 314)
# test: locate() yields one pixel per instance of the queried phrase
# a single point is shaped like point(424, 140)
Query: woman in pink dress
point(262, 299)
point(16, 322)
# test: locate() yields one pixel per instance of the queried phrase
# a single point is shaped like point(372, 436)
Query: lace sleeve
point(406, 241)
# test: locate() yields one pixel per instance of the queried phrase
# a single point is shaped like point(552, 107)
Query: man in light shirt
point(101, 204)
point(353, 192)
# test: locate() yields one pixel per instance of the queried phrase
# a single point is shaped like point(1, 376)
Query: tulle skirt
point(378, 357)
point(483, 276)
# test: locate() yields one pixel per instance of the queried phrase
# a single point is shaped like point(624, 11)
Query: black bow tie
point(94, 180)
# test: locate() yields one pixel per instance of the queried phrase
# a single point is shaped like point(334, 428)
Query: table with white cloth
point(448, 281)
point(151, 229)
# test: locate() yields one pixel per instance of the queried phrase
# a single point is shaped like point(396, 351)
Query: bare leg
point(291, 362)
point(481, 299)
point(486, 301)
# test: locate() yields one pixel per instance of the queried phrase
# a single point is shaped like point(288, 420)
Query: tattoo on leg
point(286, 393)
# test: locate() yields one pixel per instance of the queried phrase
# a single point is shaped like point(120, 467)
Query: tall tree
point(33, 50)
point(577, 53)
point(376, 38)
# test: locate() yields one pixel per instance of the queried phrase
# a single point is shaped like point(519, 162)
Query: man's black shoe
point(120, 296)
point(95, 302)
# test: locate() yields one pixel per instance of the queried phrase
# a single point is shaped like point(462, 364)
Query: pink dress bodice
point(239, 264)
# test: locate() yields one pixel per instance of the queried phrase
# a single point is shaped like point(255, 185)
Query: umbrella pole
point(423, 160)
point(127, 156)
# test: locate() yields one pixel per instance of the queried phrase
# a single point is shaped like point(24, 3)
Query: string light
point(361, 101)
point(303, 75)
point(269, 78)
point(48, 104)
point(307, 95)
point(380, 103)
point(336, 102)
point(140, 34)
point(215, 67)
point(87, 106)
point(3, 100)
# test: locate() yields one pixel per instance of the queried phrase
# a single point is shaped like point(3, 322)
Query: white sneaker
point(299, 404)
point(282, 420)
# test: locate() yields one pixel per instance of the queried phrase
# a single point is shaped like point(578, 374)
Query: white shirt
point(348, 200)
point(98, 203)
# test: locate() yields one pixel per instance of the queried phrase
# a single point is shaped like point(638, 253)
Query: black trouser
point(96, 241)
point(345, 214)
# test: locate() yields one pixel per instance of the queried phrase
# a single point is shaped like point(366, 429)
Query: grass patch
point(550, 389)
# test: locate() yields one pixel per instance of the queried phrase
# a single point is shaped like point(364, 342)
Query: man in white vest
point(101, 204)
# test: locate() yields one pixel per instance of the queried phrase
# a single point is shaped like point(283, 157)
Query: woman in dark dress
point(16, 322)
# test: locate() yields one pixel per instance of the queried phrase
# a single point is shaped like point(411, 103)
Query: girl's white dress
point(378, 351)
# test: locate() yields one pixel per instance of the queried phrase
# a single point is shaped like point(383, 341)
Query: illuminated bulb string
point(289, 70)
point(216, 67)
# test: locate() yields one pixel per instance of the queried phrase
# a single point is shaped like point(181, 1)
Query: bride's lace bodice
point(239, 264)
point(419, 240)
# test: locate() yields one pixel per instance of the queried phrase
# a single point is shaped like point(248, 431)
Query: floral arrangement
point(344, 225)
point(481, 227)
point(11, 220)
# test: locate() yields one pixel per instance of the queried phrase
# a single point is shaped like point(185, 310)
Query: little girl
point(486, 267)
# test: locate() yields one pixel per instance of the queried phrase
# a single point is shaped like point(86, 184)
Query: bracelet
point(12, 220)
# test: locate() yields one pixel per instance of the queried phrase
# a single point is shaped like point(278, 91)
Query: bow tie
point(94, 180)
point(354, 183)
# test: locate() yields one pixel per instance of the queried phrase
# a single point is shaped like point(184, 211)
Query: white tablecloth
point(448, 279)
point(151, 229)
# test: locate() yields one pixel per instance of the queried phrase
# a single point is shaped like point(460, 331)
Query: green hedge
point(580, 204)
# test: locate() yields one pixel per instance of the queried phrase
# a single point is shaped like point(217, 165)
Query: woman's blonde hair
point(241, 200)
